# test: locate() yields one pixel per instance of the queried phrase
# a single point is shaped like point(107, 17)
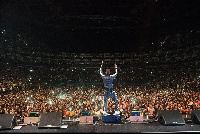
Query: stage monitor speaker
point(195, 116)
point(170, 117)
point(30, 120)
point(136, 118)
point(86, 120)
point(7, 121)
point(50, 120)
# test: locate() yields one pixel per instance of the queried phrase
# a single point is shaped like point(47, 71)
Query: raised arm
point(101, 73)
point(115, 74)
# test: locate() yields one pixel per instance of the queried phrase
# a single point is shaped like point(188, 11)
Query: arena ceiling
point(97, 25)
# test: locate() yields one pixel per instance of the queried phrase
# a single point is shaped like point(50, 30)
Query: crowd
point(74, 90)
point(72, 101)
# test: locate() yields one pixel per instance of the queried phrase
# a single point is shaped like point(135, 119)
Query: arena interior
point(50, 63)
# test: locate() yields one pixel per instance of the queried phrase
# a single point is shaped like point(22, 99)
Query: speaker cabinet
point(195, 116)
point(170, 117)
point(50, 120)
point(7, 121)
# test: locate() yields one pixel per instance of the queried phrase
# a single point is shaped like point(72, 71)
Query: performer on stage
point(108, 84)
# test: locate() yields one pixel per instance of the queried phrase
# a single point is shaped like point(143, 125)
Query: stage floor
point(153, 127)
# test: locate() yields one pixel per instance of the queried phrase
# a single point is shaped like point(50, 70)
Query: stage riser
point(111, 119)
